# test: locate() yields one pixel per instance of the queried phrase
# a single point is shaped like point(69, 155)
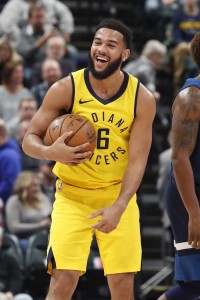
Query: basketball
point(83, 131)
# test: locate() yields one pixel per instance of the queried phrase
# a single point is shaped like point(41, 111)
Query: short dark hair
point(195, 48)
point(118, 26)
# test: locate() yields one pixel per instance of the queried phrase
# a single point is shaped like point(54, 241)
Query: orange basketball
point(83, 131)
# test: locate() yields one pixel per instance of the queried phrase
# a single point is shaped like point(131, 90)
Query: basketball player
point(183, 194)
point(97, 195)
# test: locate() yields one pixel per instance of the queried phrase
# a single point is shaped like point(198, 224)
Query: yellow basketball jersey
point(113, 119)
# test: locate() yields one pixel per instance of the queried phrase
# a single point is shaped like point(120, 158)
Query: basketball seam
point(50, 135)
point(76, 131)
point(62, 124)
point(93, 140)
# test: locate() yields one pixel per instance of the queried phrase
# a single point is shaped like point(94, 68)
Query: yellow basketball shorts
point(71, 233)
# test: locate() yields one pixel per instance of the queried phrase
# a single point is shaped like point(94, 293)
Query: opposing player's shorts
point(187, 259)
point(71, 232)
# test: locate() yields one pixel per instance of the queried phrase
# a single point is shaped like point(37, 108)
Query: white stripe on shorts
point(182, 246)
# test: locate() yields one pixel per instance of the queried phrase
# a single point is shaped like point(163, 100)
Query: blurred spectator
point(28, 209)
point(31, 44)
point(164, 166)
point(14, 16)
point(28, 163)
point(186, 23)
point(158, 18)
point(27, 109)
point(145, 69)
point(151, 5)
point(10, 163)
point(47, 178)
point(12, 90)
point(51, 72)
point(55, 49)
point(146, 65)
point(7, 53)
point(11, 277)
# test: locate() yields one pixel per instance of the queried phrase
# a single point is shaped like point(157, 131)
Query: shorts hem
point(50, 270)
point(121, 271)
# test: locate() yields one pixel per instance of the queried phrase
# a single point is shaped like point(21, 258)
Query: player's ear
point(125, 55)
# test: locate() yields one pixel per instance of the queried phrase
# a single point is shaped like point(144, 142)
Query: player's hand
point(64, 154)
point(194, 232)
point(110, 218)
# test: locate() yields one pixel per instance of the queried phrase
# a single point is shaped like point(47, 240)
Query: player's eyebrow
point(110, 41)
point(113, 41)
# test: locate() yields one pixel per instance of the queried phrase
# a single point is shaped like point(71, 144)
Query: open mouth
point(101, 60)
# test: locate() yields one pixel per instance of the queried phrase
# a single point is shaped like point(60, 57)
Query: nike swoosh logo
point(84, 101)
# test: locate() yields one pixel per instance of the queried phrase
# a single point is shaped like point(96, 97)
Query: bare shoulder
point(62, 84)
point(185, 121)
point(60, 93)
point(146, 101)
point(188, 102)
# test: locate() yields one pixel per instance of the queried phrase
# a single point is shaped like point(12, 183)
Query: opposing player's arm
point(185, 125)
point(139, 145)
point(57, 99)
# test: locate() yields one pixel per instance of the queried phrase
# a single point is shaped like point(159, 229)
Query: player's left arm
point(185, 126)
point(139, 147)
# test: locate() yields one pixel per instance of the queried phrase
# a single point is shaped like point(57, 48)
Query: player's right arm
point(57, 99)
point(185, 125)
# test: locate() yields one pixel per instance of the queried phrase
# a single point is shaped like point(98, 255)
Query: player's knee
point(122, 283)
point(63, 283)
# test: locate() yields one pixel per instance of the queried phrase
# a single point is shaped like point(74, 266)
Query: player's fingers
point(65, 135)
point(79, 161)
point(190, 238)
point(95, 214)
point(83, 155)
point(99, 225)
point(103, 228)
point(94, 225)
point(196, 242)
point(80, 147)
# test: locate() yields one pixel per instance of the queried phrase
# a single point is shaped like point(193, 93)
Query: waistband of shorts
point(73, 191)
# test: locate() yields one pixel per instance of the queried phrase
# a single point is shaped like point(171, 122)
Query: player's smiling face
point(106, 53)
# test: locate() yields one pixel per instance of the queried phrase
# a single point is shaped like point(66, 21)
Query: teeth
point(101, 58)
